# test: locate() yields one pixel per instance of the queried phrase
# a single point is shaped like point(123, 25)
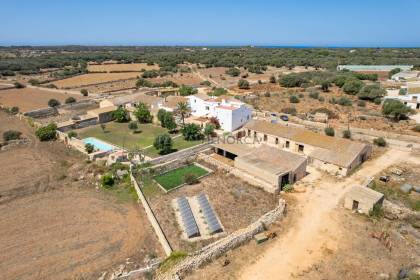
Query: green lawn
point(175, 178)
point(120, 135)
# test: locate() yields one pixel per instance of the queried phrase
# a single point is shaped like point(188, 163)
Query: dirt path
point(315, 230)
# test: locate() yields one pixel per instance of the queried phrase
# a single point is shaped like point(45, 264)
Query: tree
point(53, 103)
point(191, 132)
point(292, 80)
point(133, 126)
point(14, 110)
point(143, 83)
point(183, 110)
point(380, 141)
point(169, 122)
point(352, 86)
point(294, 99)
point(346, 134)
point(143, 114)
point(340, 80)
point(107, 180)
point(205, 83)
point(243, 84)
point(47, 133)
point(371, 92)
point(89, 148)
point(84, 92)
point(209, 130)
point(393, 72)
point(121, 115)
point(273, 79)
point(218, 92)
point(72, 134)
point(325, 86)
point(187, 90)
point(214, 121)
point(329, 131)
point(11, 135)
point(163, 143)
point(395, 109)
point(33, 82)
point(233, 72)
point(160, 116)
point(70, 100)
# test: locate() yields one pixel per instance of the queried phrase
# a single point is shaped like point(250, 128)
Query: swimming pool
point(98, 144)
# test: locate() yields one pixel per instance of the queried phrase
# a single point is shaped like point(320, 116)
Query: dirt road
point(316, 229)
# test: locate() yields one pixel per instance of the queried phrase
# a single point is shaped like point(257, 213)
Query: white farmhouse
point(230, 112)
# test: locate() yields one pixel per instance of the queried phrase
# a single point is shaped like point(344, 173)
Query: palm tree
point(182, 109)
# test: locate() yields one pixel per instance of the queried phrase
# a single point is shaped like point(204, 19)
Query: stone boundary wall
point(152, 218)
point(239, 173)
point(220, 247)
point(42, 113)
point(182, 154)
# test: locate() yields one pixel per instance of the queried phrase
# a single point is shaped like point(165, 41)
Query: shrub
point(243, 84)
point(209, 130)
point(294, 99)
point(205, 83)
point(267, 94)
point(402, 91)
point(340, 80)
point(380, 141)
point(393, 72)
point(289, 110)
point(361, 103)
point(107, 180)
point(288, 188)
point(33, 82)
point(191, 132)
point(143, 114)
point(352, 86)
point(344, 101)
point(314, 94)
point(417, 128)
point(377, 101)
point(121, 115)
point(70, 100)
point(377, 211)
point(163, 143)
point(272, 79)
point(325, 86)
point(19, 85)
point(72, 134)
point(347, 134)
point(84, 92)
point(190, 178)
point(321, 99)
point(233, 72)
point(53, 103)
point(187, 90)
point(329, 131)
point(89, 148)
point(218, 92)
point(371, 92)
point(11, 135)
point(133, 125)
point(214, 121)
point(292, 80)
point(395, 109)
point(47, 133)
point(14, 110)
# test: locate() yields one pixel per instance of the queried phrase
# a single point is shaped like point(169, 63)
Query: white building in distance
point(230, 112)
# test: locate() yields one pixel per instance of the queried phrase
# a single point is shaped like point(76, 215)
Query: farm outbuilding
point(362, 199)
point(104, 114)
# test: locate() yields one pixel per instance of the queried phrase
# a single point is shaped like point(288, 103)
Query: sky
point(347, 23)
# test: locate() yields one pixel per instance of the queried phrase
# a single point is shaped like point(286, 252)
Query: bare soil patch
point(190, 79)
point(28, 99)
point(123, 67)
point(94, 78)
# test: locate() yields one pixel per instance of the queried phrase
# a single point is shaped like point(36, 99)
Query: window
point(300, 148)
point(247, 117)
point(277, 141)
point(249, 132)
point(255, 134)
point(207, 108)
point(265, 137)
point(287, 144)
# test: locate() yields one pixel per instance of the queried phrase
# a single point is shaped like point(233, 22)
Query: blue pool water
point(98, 144)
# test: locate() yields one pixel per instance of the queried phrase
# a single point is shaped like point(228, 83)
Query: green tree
point(160, 116)
point(272, 79)
point(72, 134)
point(294, 99)
point(182, 109)
point(191, 132)
point(143, 114)
point(70, 100)
point(292, 80)
point(169, 122)
point(89, 148)
point(380, 141)
point(121, 115)
point(352, 86)
point(371, 92)
point(187, 90)
point(233, 72)
point(11, 135)
point(329, 131)
point(209, 130)
point(218, 92)
point(14, 110)
point(33, 82)
point(163, 143)
point(133, 125)
point(395, 109)
point(325, 86)
point(53, 103)
point(107, 180)
point(346, 134)
point(19, 85)
point(84, 92)
point(47, 133)
point(205, 83)
point(243, 84)
point(393, 72)
point(143, 83)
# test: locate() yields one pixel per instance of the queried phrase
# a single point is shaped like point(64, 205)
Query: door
point(284, 181)
point(355, 205)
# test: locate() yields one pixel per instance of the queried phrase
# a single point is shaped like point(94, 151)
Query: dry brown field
point(129, 67)
point(28, 99)
point(54, 223)
point(190, 79)
point(94, 78)
point(110, 87)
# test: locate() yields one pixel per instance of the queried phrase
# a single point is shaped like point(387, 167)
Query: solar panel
point(209, 214)
point(187, 218)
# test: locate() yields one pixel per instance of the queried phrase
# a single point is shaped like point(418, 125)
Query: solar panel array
point(187, 217)
point(209, 214)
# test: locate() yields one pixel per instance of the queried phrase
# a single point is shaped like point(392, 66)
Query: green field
point(175, 178)
point(120, 135)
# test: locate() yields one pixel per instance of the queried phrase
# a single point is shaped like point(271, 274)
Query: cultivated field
point(190, 79)
point(28, 99)
point(129, 67)
point(54, 223)
point(94, 78)
point(110, 87)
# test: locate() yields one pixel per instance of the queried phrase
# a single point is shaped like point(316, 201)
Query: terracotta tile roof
point(227, 107)
point(334, 150)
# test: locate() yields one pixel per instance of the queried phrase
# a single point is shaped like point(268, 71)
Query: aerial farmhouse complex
point(230, 112)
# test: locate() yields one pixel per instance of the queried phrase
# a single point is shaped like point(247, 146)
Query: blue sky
point(215, 22)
